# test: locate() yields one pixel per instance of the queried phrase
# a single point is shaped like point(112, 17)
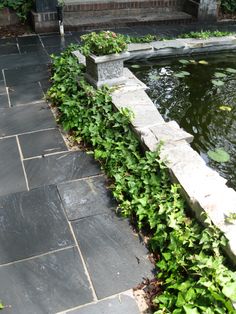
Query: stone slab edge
point(181, 46)
point(203, 188)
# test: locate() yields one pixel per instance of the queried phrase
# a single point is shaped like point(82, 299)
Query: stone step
point(115, 13)
point(78, 6)
point(84, 23)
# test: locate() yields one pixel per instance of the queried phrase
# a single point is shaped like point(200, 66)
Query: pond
point(200, 94)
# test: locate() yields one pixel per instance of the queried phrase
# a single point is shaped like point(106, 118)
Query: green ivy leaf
point(217, 82)
point(230, 70)
point(135, 66)
point(203, 62)
point(220, 74)
point(190, 310)
point(184, 61)
point(219, 155)
point(225, 108)
point(181, 74)
point(229, 291)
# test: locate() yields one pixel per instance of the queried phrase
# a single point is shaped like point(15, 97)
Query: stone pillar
point(208, 10)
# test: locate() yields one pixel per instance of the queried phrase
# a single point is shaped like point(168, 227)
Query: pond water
point(200, 94)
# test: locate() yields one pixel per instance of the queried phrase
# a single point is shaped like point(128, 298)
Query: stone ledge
point(203, 188)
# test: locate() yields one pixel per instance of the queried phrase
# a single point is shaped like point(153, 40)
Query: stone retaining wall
point(8, 17)
point(203, 188)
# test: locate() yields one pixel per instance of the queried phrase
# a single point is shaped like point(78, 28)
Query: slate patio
point(62, 248)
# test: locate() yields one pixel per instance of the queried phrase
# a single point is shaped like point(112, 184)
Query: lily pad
point(154, 77)
point(184, 61)
point(217, 82)
point(193, 61)
point(218, 155)
point(220, 75)
point(203, 62)
point(181, 74)
point(225, 108)
point(230, 70)
point(135, 66)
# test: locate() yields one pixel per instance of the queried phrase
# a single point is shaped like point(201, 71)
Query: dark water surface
point(196, 103)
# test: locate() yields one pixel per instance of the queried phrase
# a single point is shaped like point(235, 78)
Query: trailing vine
point(22, 7)
point(192, 271)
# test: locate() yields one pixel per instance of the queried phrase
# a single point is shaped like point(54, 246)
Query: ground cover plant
point(21, 7)
point(192, 271)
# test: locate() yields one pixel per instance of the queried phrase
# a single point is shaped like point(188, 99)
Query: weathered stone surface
point(170, 132)
point(105, 69)
point(139, 47)
point(174, 44)
point(208, 10)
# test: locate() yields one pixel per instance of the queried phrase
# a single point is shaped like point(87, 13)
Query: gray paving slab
point(12, 177)
point(32, 49)
point(2, 85)
point(26, 74)
point(60, 168)
point(115, 258)
point(54, 40)
point(122, 304)
point(8, 49)
point(4, 103)
point(41, 143)
point(86, 197)
point(25, 94)
point(29, 40)
point(32, 223)
point(25, 119)
point(13, 61)
point(46, 284)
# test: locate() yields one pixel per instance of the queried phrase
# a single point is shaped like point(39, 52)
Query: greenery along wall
point(22, 7)
point(228, 6)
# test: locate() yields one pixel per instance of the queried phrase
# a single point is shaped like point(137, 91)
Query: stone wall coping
point(203, 188)
point(111, 57)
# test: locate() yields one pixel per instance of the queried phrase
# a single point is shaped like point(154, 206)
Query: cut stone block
point(32, 223)
point(115, 258)
point(86, 197)
point(46, 284)
point(120, 304)
point(170, 132)
point(59, 168)
point(139, 47)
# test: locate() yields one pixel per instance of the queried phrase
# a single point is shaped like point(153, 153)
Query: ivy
point(190, 266)
point(21, 7)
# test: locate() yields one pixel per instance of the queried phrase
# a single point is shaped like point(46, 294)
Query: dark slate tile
point(41, 143)
point(45, 85)
point(58, 41)
point(25, 94)
point(86, 197)
point(46, 284)
point(54, 50)
point(31, 48)
point(4, 101)
point(26, 74)
point(2, 87)
point(25, 119)
point(29, 40)
point(60, 168)
point(13, 61)
point(115, 258)
point(8, 41)
point(32, 223)
point(11, 172)
point(117, 305)
point(8, 49)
